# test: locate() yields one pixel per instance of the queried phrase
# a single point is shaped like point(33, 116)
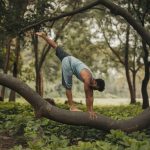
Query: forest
point(111, 37)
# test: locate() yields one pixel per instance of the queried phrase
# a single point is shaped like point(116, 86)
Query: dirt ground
point(6, 142)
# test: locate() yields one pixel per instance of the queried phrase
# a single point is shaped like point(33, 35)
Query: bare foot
point(74, 109)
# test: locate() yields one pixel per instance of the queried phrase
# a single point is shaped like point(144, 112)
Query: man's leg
point(70, 101)
point(60, 53)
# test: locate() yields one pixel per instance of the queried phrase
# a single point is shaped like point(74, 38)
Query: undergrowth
point(18, 121)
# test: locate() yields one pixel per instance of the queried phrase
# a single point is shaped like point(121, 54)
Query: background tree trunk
point(6, 65)
point(146, 77)
point(38, 70)
point(126, 64)
point(134, 86)
point(12, 95)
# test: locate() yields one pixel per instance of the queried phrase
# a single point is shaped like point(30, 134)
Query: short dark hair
point(100, 84)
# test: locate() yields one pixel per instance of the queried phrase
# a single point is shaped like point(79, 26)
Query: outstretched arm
point(47, 39)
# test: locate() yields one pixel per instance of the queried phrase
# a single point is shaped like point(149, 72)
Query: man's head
point(98, 84)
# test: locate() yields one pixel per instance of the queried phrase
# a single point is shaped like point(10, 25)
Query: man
point(73, 66)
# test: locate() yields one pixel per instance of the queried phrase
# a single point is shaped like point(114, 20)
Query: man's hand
point(92, 114)
point(42, 34)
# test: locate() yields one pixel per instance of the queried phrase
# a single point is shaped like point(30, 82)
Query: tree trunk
point(146, 77)
point(38, 75)
point(6, 65)
point(12, 95)
point(132, 95)
point(134, 86)
point(134, 71)
point(44, 109)
point(39, 83)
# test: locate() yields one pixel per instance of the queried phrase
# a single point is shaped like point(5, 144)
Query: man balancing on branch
point(73, 66)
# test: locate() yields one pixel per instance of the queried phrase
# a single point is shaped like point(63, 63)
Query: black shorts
point(60, 53)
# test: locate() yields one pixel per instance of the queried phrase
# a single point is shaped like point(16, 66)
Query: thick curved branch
point(44, 109)
point(80, 10)
point(115, 9)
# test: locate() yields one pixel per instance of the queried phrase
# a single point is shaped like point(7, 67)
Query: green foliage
point(12, 16)
point(18, 121)
point(121, 112)
point(133, 141)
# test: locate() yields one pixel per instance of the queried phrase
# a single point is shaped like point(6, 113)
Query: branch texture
point(44, 109)
point(115, 9)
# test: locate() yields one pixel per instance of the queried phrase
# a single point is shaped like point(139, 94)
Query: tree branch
point(80, 10)
point(44, 109)
point(115, 9)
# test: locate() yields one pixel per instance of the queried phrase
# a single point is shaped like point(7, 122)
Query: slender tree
point(15, 71)
point(6, 66)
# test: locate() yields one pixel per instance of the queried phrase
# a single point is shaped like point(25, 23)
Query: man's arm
point(89, 100)
point(89, 97)
point(48, 40)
